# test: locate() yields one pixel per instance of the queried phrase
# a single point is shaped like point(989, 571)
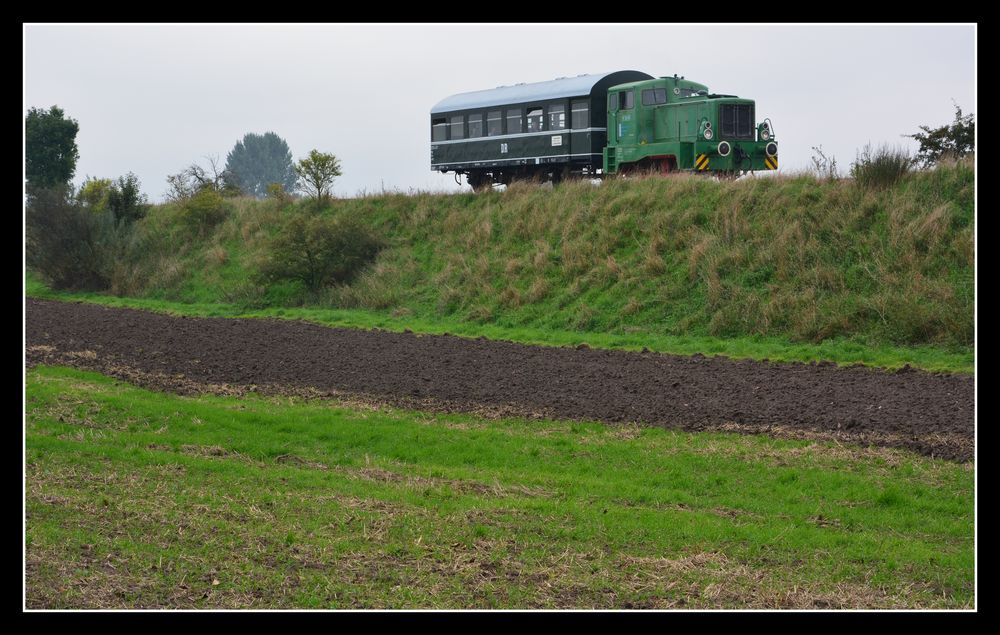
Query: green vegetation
point(139, 499)
point(73, 246)
point(316, 173)
point(317, 250)
point(785, 268)
point(881, 167)
point(947, 142)
point(836, 350)
point(50, 148)
point(260, 160)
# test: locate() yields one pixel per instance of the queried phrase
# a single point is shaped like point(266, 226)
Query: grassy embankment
point(786, 268)
point(138, 499)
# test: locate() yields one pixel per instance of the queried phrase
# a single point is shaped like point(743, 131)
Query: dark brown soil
point(932, 413)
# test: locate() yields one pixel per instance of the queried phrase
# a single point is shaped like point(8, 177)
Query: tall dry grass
point(792, 256)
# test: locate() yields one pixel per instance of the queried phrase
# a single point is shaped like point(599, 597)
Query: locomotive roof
point(520, 93)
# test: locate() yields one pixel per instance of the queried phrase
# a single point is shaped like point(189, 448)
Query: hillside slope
point(788, 257)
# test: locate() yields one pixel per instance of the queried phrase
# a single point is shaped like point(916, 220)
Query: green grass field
point(139, 499)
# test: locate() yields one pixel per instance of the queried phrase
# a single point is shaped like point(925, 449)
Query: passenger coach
point(547, 130)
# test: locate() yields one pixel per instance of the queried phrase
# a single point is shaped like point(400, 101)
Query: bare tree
point(195, 178)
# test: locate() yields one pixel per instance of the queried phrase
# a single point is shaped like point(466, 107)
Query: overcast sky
point(151, 99)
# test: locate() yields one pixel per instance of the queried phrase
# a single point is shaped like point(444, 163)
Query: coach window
point(514, 122)
point(557, 117)
point(535, 119)
point(580, 115)
point(493, 123)
point(475, 126)
point(626, 100)
point(439, 129)
point(457, 127)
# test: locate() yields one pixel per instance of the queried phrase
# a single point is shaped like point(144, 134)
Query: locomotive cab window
point(626, 100)
point(557, 117)
point(535, 119)
point(457, 127)
point(475, 126)
point(514, 122)
point(439, 129)
point(580, 115)
point(692, 92)
point(654, 96)
point(493, 123)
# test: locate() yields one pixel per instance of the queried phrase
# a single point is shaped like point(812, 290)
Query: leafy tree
point(317, 172)
point(260, 160)
point(956, 140)
point(125, 199)
point(94, 193)
point(50, 147)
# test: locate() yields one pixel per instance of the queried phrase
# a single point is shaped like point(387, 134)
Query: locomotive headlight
point(724, 148)
point(771, 149)
point(708, 133)
point(765, 134)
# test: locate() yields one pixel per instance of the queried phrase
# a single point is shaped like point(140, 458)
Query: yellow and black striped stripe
point(701, 163)
point(771, 162)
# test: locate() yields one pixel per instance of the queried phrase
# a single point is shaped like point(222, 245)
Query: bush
point(202, 211)
point(318, 251)
point(126, 200)
point(73, 247)
point(882, 167)
point(94, 194)
point(277, 193)
point(954, 141)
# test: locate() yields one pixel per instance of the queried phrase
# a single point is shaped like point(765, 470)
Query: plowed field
point(930, 413)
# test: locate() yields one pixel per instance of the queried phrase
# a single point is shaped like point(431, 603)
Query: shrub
point(276, 192)
point(955, 141)
point(318, 251)
point(126, 200)
point(73, 247)
point(202, 211)
point(94, 194)
point(882, 167)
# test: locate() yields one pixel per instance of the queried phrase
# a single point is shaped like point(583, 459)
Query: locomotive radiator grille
point(736, 121)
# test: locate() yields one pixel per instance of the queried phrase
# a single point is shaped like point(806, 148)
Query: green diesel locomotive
point(591, 126)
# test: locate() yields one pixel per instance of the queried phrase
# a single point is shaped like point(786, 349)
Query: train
point(596, 126)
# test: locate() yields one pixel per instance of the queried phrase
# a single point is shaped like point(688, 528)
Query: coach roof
point(521, 93)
